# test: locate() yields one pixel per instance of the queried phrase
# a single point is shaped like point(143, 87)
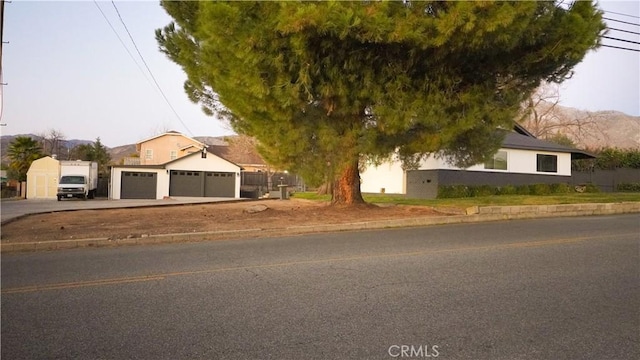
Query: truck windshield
point(72, 180)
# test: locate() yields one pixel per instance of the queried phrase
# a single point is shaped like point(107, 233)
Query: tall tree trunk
point(346, 189)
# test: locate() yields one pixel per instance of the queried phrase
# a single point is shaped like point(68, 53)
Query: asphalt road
point(565, 288)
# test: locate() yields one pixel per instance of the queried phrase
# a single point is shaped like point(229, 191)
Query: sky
point(66, 70)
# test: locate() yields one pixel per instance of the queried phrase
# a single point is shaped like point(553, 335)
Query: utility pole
point(2, 84)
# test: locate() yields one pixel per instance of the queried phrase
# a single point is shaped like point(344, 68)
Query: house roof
point(162, 166)
point(169, 133)
point(199, 154)
point(518, 140)
point(237, 154)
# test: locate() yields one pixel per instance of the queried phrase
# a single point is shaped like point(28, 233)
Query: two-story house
point(166, 147)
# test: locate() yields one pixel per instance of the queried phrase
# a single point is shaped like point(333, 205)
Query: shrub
point(561, 188)
point(592, 188)
point(540, 189)
point(453, 191)
point(523, 190)
point(483, 190)
point(629, 187)
point(507, 190)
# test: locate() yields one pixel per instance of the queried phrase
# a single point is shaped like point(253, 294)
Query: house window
point(547, 163)
point(498, 162)
point(148, 154)
point(173, 154)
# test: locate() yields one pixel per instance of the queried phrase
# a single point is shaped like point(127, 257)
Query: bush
point(462, 191)
point(507, 190)
point(483, 190)
point(592, 188)
point(561, 188)
point(523, 190)
point(453, 191)
point(540, 189)
point(629, 187)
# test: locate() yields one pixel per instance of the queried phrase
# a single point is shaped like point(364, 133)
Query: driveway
point(12, 209)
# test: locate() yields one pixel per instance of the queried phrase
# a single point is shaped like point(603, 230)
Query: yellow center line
point(70, 285)
point(123, 280)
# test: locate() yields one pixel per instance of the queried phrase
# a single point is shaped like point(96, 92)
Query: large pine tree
point(324, 85)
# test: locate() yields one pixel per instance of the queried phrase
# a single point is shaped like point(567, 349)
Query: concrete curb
point(474, 214)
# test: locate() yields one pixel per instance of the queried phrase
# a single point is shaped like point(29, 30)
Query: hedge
point(462, 191)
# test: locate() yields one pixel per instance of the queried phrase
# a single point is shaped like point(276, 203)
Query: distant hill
point(588, 130)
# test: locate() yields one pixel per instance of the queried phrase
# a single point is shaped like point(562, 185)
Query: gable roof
point(237, 155)
point(521, 139)
point(169, 133)
point(198, 154)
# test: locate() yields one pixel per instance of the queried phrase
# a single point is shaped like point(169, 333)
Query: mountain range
point(587, 130)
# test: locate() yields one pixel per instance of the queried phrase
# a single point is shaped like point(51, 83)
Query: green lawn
point(489, 200)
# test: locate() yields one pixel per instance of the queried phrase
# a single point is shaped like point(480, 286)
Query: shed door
point(186, 183)
point(220, 184)
point(138, 185)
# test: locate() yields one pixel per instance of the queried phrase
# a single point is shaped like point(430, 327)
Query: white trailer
point(78, 179)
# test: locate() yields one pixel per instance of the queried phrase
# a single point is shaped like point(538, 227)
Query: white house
point(199, 174)
point(522, 159)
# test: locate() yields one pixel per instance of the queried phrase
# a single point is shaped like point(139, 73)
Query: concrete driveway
point(11, 209)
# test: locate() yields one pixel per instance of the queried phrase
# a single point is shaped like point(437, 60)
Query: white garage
point(199, 174)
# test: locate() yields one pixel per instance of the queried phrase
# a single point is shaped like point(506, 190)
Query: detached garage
point(196, 175)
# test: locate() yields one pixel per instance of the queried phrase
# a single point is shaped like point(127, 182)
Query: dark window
point(547, 163)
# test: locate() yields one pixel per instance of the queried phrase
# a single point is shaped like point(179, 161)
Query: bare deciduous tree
point(53, 142)
point(542, 115)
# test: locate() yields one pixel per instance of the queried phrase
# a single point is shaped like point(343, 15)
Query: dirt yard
point(138, 222)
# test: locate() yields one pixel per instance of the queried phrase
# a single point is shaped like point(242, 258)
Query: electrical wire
point(149, 70)
point(122, 42)
point(617, 13)
point(626, 31)
point(619, 47)
point(620, 21)
point(616, 39)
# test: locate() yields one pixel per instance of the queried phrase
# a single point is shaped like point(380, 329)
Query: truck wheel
point(59, 198)
point(90, 195)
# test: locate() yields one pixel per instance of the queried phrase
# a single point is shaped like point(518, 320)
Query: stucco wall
point(388, 176)
point(162, 147)
point(518, 161)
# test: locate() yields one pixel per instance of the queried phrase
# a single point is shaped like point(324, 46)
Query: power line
point(626, 31)
point(616, 39)
point(617, 13)
point(122, 42)
point(618, 47)
point(149, 70)
point(620, 21)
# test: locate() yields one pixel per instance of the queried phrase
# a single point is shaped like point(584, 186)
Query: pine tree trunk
point(346, 189)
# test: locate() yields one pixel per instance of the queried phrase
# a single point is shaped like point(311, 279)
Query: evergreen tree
point(94, 152)
point(324, 86)
point(22, 151)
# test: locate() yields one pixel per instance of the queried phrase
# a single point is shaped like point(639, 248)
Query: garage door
point(138, 185)
point(186, 183)
point(220, 184)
